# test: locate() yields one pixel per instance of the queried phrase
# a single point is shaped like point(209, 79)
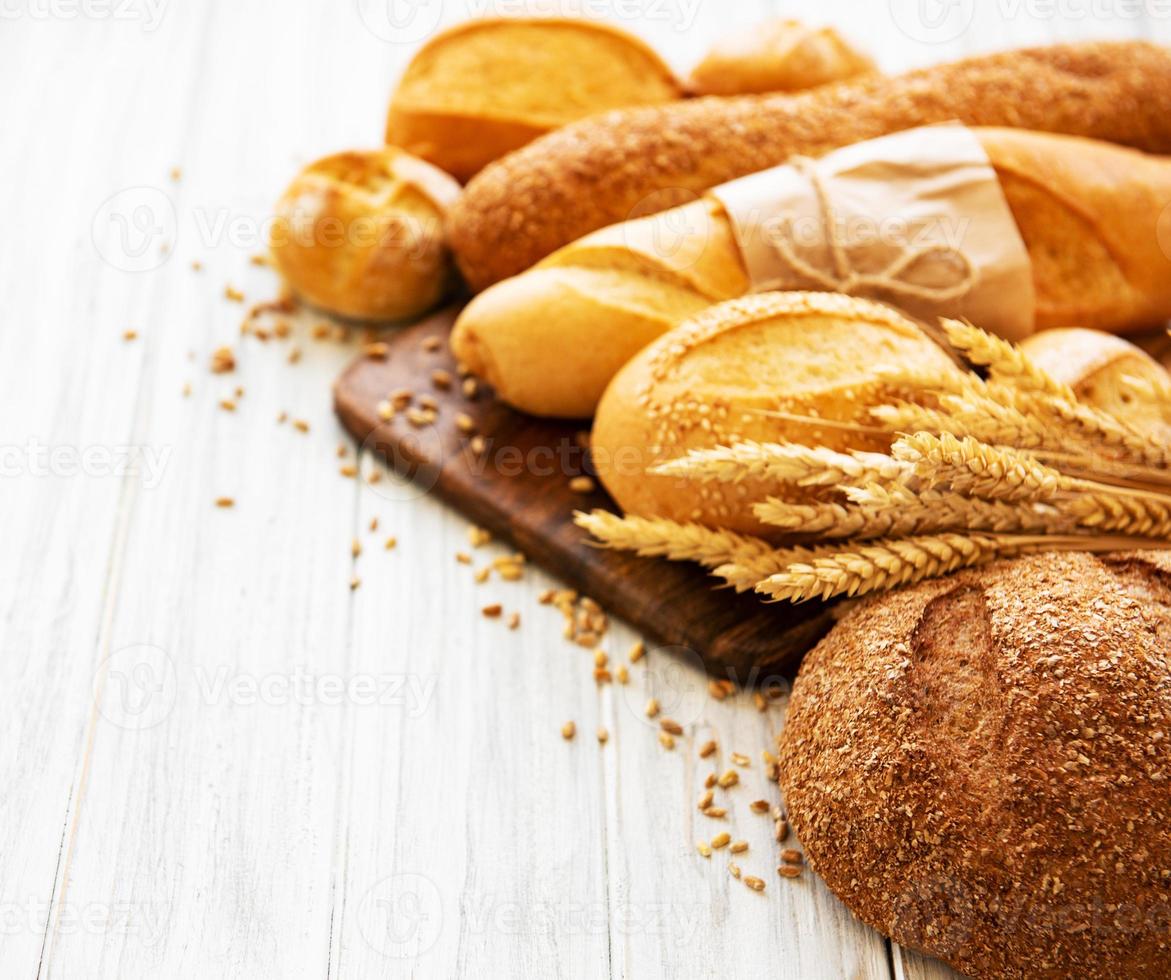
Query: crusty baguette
point(715, 379)
point(551, 338)
point(977, 766)
point(490, 85)
point(599, 171)
point(1109, 373)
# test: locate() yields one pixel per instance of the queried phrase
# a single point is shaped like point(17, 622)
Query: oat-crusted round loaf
point(980, 766)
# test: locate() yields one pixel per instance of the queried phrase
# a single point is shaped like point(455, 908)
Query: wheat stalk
point(969, 466)
point(1005, 361)
point(888, 564)
point(888, 514)
point(742, 560)
point(1134, 515)
point(804, 466)
point(882, 565)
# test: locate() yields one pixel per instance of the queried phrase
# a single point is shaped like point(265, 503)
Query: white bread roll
point(360, 234)
point(712, 380)
point(1109, 373)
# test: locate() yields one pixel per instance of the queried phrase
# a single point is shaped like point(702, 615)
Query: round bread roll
point(1109, 373)
point(487, 87)
point(722, 377)
point(360, 234)
point(777, 56)
point(979, 766)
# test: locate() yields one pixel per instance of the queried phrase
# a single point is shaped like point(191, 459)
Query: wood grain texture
point(519, 488)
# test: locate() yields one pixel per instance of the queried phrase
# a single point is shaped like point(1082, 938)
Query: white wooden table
point(217, 759)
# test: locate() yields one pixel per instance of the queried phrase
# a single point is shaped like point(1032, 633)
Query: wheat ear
point(782, 463)
point(892, 515)
point(1136, 515)
point(968, 466)
point(1005, 361)
point(883, 564)
point(741, 559)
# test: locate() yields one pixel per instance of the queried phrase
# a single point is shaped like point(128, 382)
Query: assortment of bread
point(483, 88)
point(607, 169)
point(975, 763)
point(550, 338)
point(978, 766)
point(778, 56)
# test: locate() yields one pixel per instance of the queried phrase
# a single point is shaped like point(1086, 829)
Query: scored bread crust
point(460, 124)
point(979, 766)
point(602, 170)
point(723, 375)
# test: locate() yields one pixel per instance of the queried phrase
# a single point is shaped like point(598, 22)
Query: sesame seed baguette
point(551, 338)
point(599, 171)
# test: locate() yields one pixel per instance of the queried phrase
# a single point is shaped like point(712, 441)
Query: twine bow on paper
point(844, 278)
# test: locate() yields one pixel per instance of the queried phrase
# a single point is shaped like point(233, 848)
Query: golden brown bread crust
point(490, 85)
point(979, 766)
point(721, 377)
point(360, 234)
point(598, 171)
point(780, 55)
point(550, 338)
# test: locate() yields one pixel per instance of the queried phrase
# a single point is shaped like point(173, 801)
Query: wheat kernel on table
point(734, 869)
point(756, 884)
point(710, 782)
point(781, 831)
point(390, 543)
point(441, 379)
point(622, 675)
point(513, 620)
point(667, 740)
point(478, 536)
point(789, 871)
point(729, 779)
point(715, 812)
point(568, 730)
point(377, 351)
point(708, 748)
point(355, 548)
point(739, 847)
point(704, 848)
point(741, 760)
point(603, 736)
point(225, 502)
point(652, 708)
point(637, 652)
point(792, 856)
point(671, 725)
point(300, 425)
point(354, 583)
point(492, 611)
point(722, 839)
point(349, 470)
point(759, 806)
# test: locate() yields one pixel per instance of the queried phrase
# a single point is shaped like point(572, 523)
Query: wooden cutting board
point(518, 488)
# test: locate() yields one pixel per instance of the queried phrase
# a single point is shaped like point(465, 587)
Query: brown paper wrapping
point(916, 219)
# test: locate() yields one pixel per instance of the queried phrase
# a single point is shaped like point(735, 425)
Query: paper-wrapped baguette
point(722, 376)
point(606, 169)
point(550, 339)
